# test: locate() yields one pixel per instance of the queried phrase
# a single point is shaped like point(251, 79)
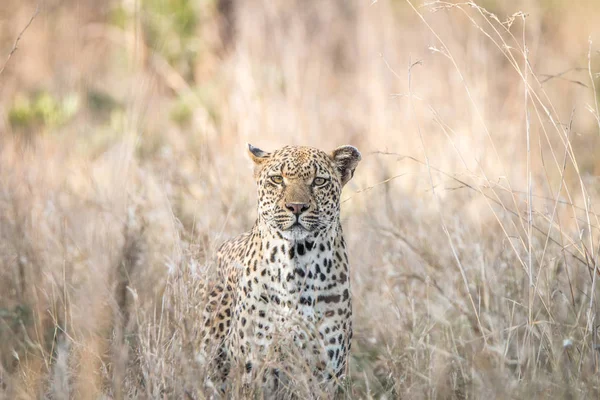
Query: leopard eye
point(319, 181)
point(278, 179)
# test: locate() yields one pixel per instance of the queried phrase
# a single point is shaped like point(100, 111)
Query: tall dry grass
point(472, 220)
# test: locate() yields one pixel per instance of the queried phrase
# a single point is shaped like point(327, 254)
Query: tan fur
point(286, 281)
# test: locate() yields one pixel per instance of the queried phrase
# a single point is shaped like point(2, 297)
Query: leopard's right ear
point(258, 157)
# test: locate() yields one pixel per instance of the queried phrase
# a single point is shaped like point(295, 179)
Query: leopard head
point(299, 188)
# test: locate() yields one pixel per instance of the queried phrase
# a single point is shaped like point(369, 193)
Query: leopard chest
point(296, 289)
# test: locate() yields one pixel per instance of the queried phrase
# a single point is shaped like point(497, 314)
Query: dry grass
point(472, 220)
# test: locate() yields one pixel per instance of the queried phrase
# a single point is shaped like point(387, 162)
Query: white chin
point(295, 233)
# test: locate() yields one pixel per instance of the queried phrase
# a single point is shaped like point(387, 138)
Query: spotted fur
point(286, 281)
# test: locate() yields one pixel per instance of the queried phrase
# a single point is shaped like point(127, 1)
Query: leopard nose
point(297, 208)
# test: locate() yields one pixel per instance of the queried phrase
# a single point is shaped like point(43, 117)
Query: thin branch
point(597, 114)
point(16, 45)
point(560, 75)
point(464, 184)
point(383, 182)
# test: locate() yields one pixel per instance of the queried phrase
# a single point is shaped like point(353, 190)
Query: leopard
point(283, 287)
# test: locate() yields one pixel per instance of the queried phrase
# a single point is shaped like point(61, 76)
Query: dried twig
point(16, 45)
point(464, 184)
point(366, 189)
point(560, 75)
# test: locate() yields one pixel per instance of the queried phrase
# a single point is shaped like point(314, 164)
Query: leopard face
point(299, 188)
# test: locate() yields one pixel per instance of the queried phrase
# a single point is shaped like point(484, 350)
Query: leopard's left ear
point(346, 159)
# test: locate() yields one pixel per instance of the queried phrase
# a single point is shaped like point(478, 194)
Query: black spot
point(346, 294)
point(261, 313)
point(300, 249)
point(309, 245)
point(243, 321)
point(264, 298)
point(248, 367)
point(275, 298)
point(300, 272)
point(321, 247)
point(304, 300)
point(329, 298)
point(273, 254)
point(330, 353)
point(337, 255)
point(292, 252)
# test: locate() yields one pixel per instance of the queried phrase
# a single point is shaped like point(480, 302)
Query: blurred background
point(472, 219)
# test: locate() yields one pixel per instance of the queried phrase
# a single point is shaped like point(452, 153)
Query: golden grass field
point(472, 220)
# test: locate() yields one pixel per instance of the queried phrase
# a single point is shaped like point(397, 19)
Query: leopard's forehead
point(301, 160)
